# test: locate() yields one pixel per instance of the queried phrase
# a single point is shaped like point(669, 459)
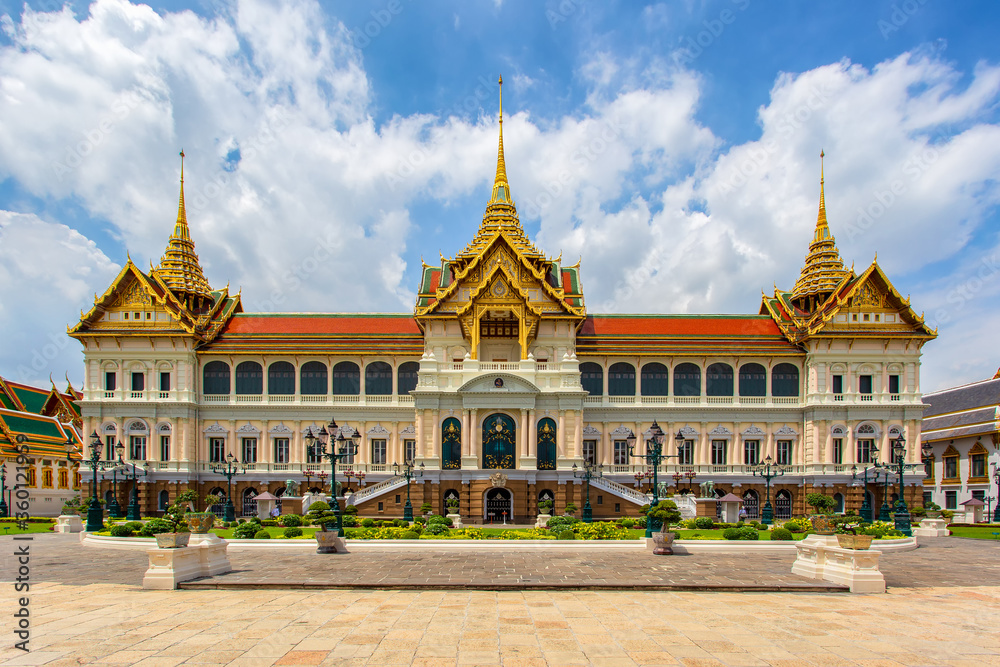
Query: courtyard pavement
point(87, 608)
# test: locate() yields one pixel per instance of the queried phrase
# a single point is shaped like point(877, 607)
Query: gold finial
point(181, 227)
point(501, 189)
point(500, 82)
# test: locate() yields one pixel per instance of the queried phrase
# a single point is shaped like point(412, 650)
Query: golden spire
point(823, 269)
point(179, 268)
point(501, 188)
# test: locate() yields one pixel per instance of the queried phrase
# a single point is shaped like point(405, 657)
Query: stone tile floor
point(86, 608)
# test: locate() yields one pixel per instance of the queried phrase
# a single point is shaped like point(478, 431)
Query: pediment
point(498, 383)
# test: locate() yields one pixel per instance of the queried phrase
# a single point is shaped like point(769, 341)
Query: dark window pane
point(785, 380)
point(346, 378)
point(655, 380)
point(378, 379)
point(313, 380)
point(687, 380)
point(249, 378)
point(719, 380)
point(406, 377)
point(216, 377)
point(592, 378)
point(281, 378)
point(621, 380)
point(753, 380)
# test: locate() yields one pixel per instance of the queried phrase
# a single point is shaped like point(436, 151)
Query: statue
point(661, 490)
point(291, 487)
point(707, 489)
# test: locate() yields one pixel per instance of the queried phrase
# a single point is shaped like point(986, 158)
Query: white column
point(436, 435)
point(474, 432)
point(532, 434)
point(466, 434)
point(578, 434)
point(605, 455)
point(561, 436)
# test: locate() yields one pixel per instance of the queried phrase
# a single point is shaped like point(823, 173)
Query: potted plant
point(933, 510)
point(452, 505)
point(823, 506)
point(321, 515)
point(848, 538)
point(179, 535)
point(201, 522)
point(666, 513)
point(425, 509)
point(545, 507)
point(570, 509)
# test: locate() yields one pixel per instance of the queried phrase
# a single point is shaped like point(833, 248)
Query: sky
point(333, 147)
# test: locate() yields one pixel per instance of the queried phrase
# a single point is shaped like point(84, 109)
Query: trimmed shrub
point(350, 521)
point(704, 523)
point(121, 531)
point(420, 520)
point(262, 535)
point(760, 526)
point(318, 505)
point(627, 522)
point(368, 523)
point(292, 531)
point(410, 535)
point(401, 523)
point(435, 518)
point(781, 534)
point(567, 535)
point(558, 523)
point(437, 528)
point(245, 531)
point(134, 526)
point(272, 523)
point(731, 533)
point(155, 527)
point(351, 509)
point(290, 520)
point(640, 522)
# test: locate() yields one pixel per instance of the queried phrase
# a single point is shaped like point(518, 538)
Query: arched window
point(451, 444)
point(592, 378)
point(751, 503)
point(347, 378)
point(621, 379)
point(406, 377)
point(281, 378)
point(719, 380)
point(163, 501)
point(687, 380)
point(218, 508)
point(249, 378)
point(785, 380)
point(838, 503)
point(312, 379)
point(753, 380)
point(378, 379)
point(546, 444)
point(654, 380)
point(250, 501)
point(216, 378)
point(783, 505)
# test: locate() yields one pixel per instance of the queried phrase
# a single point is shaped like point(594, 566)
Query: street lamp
point(95, 513)
point(690, 474)
point(114, 509)
point(866, 513)
point(3, 490)
point(899, 466)
point(996, 478)
point(767, 469)
point(408, 473)
point(589, 472)
point(641, 477)
point(229, 470)
point(654, 456)
point(885, 511)
point(133, 513)
point(341, 448)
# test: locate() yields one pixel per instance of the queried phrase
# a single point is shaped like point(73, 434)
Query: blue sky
point(674, 147)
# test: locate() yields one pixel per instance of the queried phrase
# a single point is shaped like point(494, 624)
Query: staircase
point(687, 506)
point(622, 491)
point(374, 490)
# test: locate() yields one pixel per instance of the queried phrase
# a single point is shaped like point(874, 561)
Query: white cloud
point(47, 271)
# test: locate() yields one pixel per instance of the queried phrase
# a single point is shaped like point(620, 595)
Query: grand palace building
point(500, 381)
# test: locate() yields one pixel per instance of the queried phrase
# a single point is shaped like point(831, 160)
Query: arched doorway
point(250, 502)
point(783, 505)
point(546, 444)
point(751, 503)
point(838, 503)
point(499, 506)
point(218, 508)
point(450, 494)
point(499, 441)
point(451, 444)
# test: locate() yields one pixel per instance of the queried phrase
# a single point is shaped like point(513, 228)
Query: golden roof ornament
point(823, 269)
point(179, 267)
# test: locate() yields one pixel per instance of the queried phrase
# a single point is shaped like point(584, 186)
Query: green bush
point(318, 506)
point(558, 523)
point(410, 535)
point(640, 522)
point(627, 522)
point(245, 531)
point(401, 523)
point(292, 531)
point(417, 528)
point(731, 533)
point(425, 508)
point(420, 520)
point(749, 533)
point(704, 523)
point(351, 509)
point(760, 526)
point(368, 523)
point(262, 535)
point(290, 520)
point(271, 523)
point(350, 521)
point(567, 535)
point(435, 518)
point(797, 525)
point(134, 526)
point(781, 534)
point(437, 528)
point(155, 527)
point(121, 531)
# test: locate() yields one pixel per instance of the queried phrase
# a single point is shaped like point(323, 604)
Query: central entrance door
point(499, 506)
point(499, 440)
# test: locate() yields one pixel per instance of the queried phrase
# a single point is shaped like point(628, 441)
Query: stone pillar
point(561, 436)
point(605, 456)
point(393, 454)
point(578, 434)
point(436, 436)
point(364, 456)
point(532, 434)
point(522, 435)
point(466, 434)
point(474, 433)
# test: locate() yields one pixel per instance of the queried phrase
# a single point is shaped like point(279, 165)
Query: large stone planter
point(542, 520)
point(200, 522)
point(663, 543)
point(328, 542)
point(172, 540)
point(456, 520)
point(821, 524)
point(857, 542)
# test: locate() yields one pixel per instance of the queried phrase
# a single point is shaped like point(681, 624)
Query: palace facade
point(500, 382)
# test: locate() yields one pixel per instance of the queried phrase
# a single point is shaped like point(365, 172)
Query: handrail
point(373, 490)
point(626, 492)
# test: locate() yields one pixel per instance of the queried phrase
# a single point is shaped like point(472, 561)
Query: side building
point(500, 382)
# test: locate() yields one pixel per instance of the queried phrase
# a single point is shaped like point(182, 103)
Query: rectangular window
point(378, 452)
point(164, 447)
point(109, 448)
point(600, 500)
point(137, 448)
point(281, 450)
point(618, 508)
point(751, 452)
point(590, 451)
point(165, 381)
point(951, 467)
point(929, 470)
point(928, 497)
point(979, 465)
point(951, 500)
point(410, 449)
point(719, 452)
point(685, 453)
point(893, 384)
point(138, 382)
point(398, 497)
point(838, 384)
point(381, 507)
point(784, 457)
point(838, 450)
point(216, 450)
point(865, 384)
point(109, 381)
point(312, 456)
point(979, 494)
point(248, 450)
point(621, 453)
point(865, 450)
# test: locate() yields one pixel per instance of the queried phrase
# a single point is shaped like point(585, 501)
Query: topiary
point(781, 534)
point(420, 520)
point(318, 506)
point(351, 509)
point(262, 535)
point(154, 527)
point(121, 531)
point(704, 523)
point(290, 520)
point(410, 535)
point(748, 533)
point(760, 526)
point(627, 522)
point(731, 533)
point(271, 523)
point(567, 535)
point(368, 523)
point(292, 531)
point(350, 521)
point(425, 508)
point(245, 531)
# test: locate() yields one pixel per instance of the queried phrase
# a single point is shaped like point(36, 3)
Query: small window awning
point(973, 502)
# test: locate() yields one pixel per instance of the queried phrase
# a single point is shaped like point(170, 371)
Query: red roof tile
point(713, 325)
point(248, 324)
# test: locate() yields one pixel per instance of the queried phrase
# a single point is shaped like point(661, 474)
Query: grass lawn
point(685, 534)
point(273, 531)
point(977, 532)
point(12, 529)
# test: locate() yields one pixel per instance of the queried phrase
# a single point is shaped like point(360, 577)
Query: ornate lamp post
point(654, 456)
point(133, 513)
point(899, 466)
point(641, 477)
point(989, 506)
point(4, 510)
point(690, 474)
point(95, 513)
point(885, 511)
point(996, 478)
point(229, 470)
point(866, 513)
point(359, 475)
point(114, 509)
point(767, 469)
point(341, 448)
point(408, 472)
point(589, 472)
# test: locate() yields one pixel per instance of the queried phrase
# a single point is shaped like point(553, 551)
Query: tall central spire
point(501, 188)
